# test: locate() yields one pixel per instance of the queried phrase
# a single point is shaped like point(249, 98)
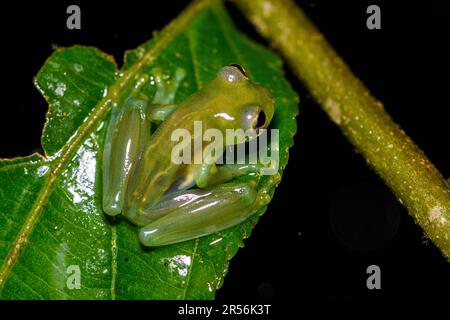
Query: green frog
point(171, 201)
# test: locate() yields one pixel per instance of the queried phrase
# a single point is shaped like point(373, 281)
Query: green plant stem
point(417, 184)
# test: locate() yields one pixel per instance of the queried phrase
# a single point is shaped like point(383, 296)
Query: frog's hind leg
point(207, 211)
point(128, 133)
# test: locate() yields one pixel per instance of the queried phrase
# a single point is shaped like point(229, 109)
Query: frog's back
point(155, 172)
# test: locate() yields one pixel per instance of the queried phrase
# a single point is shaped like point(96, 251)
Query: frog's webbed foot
point(201, 212)
point(265, 189)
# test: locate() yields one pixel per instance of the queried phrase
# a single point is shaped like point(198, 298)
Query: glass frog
point(177, 202)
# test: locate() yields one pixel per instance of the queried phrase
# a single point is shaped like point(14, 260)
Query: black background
point(331, 216)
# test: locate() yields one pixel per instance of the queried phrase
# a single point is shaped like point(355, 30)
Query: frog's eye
point(254, 118)
point(240, 68)
point(260, 120)
point(233, 73)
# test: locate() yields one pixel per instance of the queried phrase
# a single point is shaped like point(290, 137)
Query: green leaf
point(50, 207)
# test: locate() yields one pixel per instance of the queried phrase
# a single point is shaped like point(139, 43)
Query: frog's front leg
point(159, 112)
point(199, 212)
point(208, 175)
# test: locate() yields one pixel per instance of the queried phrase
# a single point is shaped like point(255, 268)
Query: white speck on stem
point(266, 8)
point(436, 214)
point(334, 110)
